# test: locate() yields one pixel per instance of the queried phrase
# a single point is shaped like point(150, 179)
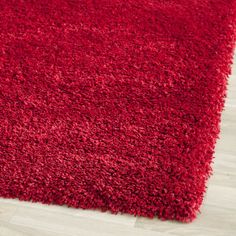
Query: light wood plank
point(72, 225)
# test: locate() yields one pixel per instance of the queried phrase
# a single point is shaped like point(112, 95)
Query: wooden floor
point(218, 213)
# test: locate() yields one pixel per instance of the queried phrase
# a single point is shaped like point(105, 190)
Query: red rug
point(113, 104)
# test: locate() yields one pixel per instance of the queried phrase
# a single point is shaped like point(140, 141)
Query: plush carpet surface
point(113, 104)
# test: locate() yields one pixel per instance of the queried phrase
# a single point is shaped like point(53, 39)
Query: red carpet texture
point(113, 104)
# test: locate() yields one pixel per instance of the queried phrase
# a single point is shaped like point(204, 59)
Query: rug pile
point(113, 104)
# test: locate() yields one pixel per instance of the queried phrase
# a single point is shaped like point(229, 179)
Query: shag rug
point(113, 104)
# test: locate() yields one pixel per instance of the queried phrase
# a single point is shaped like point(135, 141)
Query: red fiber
point(112, 104)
